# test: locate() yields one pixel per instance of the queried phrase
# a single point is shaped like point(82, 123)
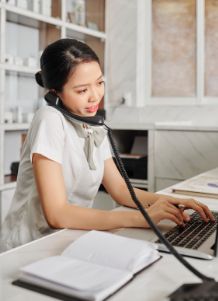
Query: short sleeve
point(47, 136)
point(106, 149)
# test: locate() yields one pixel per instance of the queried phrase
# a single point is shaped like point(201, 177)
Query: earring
point(56, 98)
point(57, 101)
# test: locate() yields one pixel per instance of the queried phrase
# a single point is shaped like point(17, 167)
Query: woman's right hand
point(164, 209)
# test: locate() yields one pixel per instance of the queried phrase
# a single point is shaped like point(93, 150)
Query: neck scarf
point(93, 135)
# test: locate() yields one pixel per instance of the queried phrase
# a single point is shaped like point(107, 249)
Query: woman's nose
point(94, 96)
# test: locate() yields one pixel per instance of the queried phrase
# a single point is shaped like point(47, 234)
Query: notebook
point(91, 268)
point(204, 247)
point(202, 185)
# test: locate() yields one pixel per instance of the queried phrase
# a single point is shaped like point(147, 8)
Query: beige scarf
point(93, 135)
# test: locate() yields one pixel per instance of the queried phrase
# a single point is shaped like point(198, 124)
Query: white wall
point(121, 49)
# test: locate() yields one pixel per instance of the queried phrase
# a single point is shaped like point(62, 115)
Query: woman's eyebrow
point(82, 85)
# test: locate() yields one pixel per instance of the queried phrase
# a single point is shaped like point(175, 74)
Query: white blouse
point(52, 136)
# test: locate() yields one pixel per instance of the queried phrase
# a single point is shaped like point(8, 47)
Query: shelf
point(8, 186)
point(16, 126)
point(17, 80)
point(28, 18)
point(139, 183)
point(19, 69)
point(10, 182)
point(85, 30)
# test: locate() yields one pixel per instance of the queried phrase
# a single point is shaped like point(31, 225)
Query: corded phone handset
point(187, 291)
point(52, 100)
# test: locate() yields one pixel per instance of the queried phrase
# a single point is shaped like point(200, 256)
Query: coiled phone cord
point(147, 217)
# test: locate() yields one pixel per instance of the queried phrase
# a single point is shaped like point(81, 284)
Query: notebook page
point(74, 277)
point(200, 183)
point(112, 250)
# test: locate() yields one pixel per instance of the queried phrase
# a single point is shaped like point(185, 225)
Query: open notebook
point(92, 267)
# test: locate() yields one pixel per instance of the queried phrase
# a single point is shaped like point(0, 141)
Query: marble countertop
point(191, 118)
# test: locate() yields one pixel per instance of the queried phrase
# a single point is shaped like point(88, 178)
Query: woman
point(64, 162)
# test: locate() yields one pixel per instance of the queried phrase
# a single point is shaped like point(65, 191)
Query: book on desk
point(91, 268)
point(202, 185)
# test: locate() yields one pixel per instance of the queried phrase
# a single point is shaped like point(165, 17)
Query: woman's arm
point(116, 187)
point(60, 214)
point(159, 206)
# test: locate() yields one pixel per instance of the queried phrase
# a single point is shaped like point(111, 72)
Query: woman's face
point(84, 89)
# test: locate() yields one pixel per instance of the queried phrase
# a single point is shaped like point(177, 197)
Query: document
point(93, 267)
point(201, 185)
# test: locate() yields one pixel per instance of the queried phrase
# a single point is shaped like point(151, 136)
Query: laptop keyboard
point(195, 232)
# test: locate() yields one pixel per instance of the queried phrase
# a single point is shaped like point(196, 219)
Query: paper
point(201, 185)
point(109, 249)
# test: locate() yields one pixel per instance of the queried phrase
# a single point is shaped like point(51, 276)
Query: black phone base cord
point(186, 291)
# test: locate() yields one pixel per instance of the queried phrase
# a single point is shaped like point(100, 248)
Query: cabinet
point(136, 152)
point(26, 28)
point(183, 154)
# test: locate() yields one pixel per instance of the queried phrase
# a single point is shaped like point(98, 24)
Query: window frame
point(144, 61)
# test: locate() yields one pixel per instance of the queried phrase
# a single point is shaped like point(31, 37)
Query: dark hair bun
point(38, 78)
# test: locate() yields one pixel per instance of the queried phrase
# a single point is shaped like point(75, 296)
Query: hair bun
point(38, 78)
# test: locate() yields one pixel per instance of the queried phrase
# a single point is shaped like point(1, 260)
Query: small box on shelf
point(10, 179)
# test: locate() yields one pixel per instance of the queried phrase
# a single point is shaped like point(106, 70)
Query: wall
point(121, 49)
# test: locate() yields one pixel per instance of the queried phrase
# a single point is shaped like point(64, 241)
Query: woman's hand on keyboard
point(173, 209)
point(199, 207)
point(163, 208)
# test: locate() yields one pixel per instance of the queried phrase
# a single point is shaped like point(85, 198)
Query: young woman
point(64, 162)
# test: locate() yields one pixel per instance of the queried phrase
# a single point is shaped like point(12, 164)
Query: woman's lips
point(92, 109)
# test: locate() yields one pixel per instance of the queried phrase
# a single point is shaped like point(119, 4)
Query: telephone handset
point(51, 99)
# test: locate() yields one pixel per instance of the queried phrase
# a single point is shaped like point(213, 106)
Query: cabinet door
point(183, 154)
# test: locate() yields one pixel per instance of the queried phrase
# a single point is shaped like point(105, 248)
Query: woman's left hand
point(190, 203)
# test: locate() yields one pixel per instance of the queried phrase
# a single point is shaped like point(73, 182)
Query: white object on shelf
point(77, 12)
point(28, 117)
point(80, 13)
point(11, 2)
point(18, 116)
point(30, 62)
point(34, 6)
point(8, 117)
point(18, 61)
point(46, 7)
point(9, 59)
point(92, 25)
point(22, 4)
point(128, 99)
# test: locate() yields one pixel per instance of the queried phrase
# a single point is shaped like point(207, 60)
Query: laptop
point(197, 239)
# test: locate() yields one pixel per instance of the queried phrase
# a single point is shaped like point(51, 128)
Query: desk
point(152, 284)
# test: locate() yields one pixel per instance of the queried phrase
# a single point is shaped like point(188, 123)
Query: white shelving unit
point(48, 28)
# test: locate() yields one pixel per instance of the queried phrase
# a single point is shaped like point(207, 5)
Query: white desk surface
point(152, 284)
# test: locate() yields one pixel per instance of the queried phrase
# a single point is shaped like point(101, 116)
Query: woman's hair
point(60, 59)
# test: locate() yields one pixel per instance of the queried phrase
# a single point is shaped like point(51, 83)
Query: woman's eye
point(101, 83)
point(82, 91)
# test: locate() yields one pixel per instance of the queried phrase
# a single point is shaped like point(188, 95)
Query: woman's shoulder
point(48, 117)
point(48, 112)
